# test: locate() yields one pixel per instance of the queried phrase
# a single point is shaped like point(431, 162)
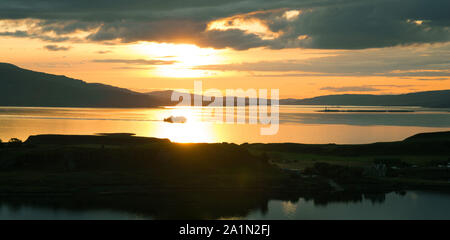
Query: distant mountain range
point(21, 87)
point(434, 99)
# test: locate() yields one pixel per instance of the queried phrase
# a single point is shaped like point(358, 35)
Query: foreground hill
point(424, 99)
point(166, 180)
point(21, 87)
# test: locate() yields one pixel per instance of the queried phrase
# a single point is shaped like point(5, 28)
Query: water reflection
point(187, 132)
point(408, 205)
point(297, 124)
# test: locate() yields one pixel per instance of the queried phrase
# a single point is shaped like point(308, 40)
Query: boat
point(177, 119)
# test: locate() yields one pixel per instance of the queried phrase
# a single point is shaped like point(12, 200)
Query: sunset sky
point(304, 48)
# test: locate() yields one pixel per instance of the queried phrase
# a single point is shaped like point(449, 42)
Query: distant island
point(365, 111)
point(22, 87)
point(432, 99)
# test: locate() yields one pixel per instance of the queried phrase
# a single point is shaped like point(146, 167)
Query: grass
point(300, 161)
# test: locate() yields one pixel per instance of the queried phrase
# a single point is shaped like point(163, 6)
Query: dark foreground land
point(205, 181)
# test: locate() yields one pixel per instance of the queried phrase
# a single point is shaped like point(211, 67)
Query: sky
point(304, 48)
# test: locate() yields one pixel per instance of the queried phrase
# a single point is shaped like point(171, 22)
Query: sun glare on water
point(194, 130)
point(182, 58)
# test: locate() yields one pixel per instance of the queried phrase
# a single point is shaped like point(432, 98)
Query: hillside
point(21, 87)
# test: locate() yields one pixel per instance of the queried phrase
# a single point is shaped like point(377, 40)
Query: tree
point(15, 142)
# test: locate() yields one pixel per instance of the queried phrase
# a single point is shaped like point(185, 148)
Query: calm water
point(412, 205)
point(297, 124)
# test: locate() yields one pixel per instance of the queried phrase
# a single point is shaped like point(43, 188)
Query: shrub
point(339, 173)
point(392, 162)
point(15, 142)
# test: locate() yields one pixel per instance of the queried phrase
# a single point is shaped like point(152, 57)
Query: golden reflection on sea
point(187, 132)
point(304, 127)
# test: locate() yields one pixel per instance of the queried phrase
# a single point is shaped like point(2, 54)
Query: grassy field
point(300, 161)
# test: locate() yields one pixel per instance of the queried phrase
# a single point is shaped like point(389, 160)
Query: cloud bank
point(136, 61)
point(56, 48)
point(321, 24)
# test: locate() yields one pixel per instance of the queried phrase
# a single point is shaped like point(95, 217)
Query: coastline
point(403, 161)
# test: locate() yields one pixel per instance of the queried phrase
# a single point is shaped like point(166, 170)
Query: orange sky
point(147, 66)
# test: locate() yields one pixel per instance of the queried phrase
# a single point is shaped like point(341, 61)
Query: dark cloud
point(65, 27)
point(352, 89)
point(373, 24)
point(56, 48)
point(104, 52)
point(144, 10)
point(25, 34)
point(236, 39)
point(364, 88)
point(324, 24)
point(135, 61)
point(433, 79)
point(131, 68)
point(177, 32)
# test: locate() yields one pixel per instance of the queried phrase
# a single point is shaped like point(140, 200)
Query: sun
point(185, 57)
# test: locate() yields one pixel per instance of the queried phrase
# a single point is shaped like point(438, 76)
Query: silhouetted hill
point(432, 136)
point(424, 99)
point(21, 87)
